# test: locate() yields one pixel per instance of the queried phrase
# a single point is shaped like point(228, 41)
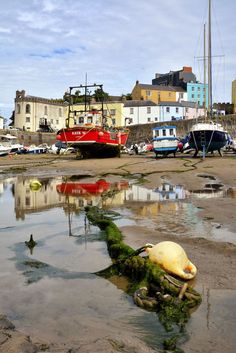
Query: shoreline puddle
point(58, 296)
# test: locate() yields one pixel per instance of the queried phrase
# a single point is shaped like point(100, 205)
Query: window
point(167, 109)
point(148, 119)
point(192, 88)
point(171, 132)
point(45, 110)
point(27, 119)
point(164, 132)
point(181, 95)
point(192, 95)
point(198, 95)
point(90, 120)
point(186, 109)
point(81, 120)
point(131, 111)
point(18, 109)
point(27, 109)
point(157, 133)
point(60, 112)
point(148, 110)
point(156, 119)
point(198, 88)
point(148, 93)
point(113, 121)
point(176, 110)
point(113, 112)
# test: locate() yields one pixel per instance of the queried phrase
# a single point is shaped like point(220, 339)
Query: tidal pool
point(53, 292)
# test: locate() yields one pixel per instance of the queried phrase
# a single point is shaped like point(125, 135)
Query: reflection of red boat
point(98, 188)
point(74, 188)
point(88, 132)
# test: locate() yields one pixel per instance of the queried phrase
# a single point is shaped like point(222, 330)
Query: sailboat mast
point(204, 63)
point(209, 63)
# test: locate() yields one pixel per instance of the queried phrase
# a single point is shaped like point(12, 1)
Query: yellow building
point(157, 93)
point(234, 95)
point(113, 111)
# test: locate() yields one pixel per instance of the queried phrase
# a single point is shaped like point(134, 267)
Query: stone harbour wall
point(138, 133)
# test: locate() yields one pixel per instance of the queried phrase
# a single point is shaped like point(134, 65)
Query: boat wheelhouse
point(164, 140)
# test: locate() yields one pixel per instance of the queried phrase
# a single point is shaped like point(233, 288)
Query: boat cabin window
point(164, 132)
point(157, 133)
point(171, 132)
point(27, 109)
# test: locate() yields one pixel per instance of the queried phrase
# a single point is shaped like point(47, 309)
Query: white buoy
point(172, 258)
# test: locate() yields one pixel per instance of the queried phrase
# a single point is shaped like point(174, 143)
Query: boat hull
point(207, 138)
point(165, 146)
point(94, 141)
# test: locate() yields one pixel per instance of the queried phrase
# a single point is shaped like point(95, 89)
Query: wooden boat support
point(152, 288)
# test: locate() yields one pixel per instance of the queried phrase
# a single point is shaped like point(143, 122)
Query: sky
point(46, 46)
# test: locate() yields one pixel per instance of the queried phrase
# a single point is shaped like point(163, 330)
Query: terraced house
point(156, 93)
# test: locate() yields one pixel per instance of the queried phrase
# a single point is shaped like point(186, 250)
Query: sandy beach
point(215, 259)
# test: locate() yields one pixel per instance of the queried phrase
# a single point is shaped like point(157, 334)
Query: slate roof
point(139, 103)
point(161, 88)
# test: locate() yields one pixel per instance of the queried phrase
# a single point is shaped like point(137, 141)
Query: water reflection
point(75, 195)
point(59, 272)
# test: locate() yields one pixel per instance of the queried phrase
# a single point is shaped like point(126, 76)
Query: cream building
point(39, 114)
point(234, 95)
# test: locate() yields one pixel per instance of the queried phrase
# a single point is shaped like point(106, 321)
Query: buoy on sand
point(172, 258)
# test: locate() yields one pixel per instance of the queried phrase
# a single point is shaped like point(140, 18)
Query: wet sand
point(215, 260)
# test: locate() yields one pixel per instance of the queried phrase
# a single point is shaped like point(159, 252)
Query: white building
point(143, 112)
point(140, 112)
point(39, 114)
point(1, 122)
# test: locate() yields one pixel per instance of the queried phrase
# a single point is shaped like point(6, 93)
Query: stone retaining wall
point(138, 133)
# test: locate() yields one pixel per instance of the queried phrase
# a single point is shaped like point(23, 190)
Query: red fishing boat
point(87, 138)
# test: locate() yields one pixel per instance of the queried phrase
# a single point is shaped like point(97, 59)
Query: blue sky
point(49, 45)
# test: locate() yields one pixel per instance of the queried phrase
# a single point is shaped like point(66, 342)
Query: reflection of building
point(28, 201)
point(164, 192)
